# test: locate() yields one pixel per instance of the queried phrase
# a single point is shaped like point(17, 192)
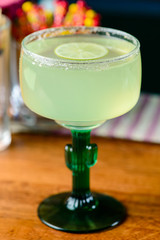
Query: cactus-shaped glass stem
point(80, 156)
point(80, 210)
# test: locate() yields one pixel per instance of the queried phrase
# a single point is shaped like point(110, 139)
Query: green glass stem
point(80, 156)
point(81, 211)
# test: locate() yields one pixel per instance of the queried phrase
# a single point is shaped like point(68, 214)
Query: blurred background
point(140, 18)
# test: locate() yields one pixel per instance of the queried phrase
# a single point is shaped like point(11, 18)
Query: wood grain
point(33, 168)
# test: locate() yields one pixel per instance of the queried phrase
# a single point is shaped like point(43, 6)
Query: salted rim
point(101, 31)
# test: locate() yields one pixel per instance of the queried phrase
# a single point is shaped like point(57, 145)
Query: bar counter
point(33, 168)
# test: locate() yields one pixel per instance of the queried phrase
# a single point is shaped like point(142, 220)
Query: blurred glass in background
point(28, 17)
point(5, 134)
point(141, 18)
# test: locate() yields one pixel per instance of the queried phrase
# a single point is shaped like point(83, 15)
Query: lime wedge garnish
point(81, 51)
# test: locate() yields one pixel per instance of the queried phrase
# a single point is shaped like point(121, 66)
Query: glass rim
point(126, 37)
point(6, 24)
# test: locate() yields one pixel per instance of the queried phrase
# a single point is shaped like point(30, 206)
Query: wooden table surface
point(33, 168)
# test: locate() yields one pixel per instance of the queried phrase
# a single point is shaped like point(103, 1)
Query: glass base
point(105, 214)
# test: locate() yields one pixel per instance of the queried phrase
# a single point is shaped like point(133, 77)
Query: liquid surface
point(80, 94)
point(47, 47)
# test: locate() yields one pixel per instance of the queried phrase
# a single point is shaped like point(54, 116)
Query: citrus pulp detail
point(81, 51)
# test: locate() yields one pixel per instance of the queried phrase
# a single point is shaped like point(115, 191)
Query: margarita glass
point(80, 77)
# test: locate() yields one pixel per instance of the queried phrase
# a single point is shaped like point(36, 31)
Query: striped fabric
point(142, 123)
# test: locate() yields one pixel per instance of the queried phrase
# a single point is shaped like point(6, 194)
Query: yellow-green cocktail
point(86, 93)
point(80, 77)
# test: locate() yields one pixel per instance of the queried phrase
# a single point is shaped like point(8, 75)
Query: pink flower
point(8, 3)
point(9, 7)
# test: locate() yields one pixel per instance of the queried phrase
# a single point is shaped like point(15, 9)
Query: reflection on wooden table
point(33, 168)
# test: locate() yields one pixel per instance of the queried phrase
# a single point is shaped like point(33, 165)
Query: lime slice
point(81, 51)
